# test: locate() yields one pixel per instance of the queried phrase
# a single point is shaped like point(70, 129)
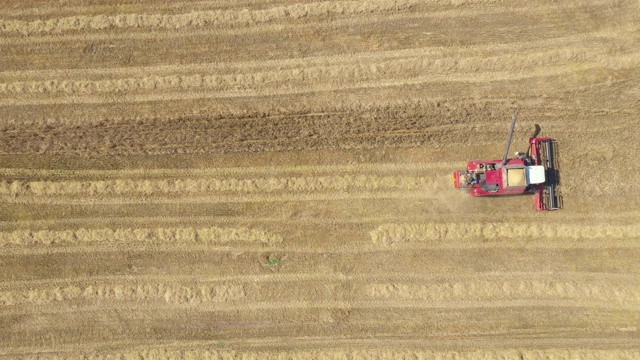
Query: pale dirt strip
point(212, 351)
point(56, 309)
point(472, 235)
point(156, 236)
point(354, 349)
point(367, 278)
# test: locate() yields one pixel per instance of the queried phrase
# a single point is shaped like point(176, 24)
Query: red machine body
point(532, 173)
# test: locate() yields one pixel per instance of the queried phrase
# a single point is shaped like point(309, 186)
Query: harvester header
point(535, 172)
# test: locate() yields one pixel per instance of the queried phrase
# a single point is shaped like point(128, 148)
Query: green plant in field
point(274, 261)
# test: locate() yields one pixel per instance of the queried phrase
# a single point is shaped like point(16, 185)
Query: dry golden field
point(271, 179)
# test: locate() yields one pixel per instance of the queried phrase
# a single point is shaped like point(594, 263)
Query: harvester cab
point(535, 172)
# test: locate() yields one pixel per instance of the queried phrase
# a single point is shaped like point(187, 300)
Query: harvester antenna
point(506, 150)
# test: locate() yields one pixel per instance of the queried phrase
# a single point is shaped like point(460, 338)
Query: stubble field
point(270, 179)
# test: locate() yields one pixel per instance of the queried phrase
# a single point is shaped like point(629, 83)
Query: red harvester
point(535, 172)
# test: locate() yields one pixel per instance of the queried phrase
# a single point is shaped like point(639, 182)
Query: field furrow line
point(156, 236)
point(259, 249)
point(496, 234)
point(227, 171)
point(368, 278)
point(46, 8)
point(621, 216)
point(144, 221)
point(216, 199)
point(240, 305)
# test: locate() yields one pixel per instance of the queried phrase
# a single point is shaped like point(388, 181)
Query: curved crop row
point(170, 293)
point(218, 18)
point(206, 185)
point(209, 235)
point(436, 234)
point(333, 71)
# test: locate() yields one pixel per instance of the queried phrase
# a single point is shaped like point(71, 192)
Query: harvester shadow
point(536, 131)
point(556, 164)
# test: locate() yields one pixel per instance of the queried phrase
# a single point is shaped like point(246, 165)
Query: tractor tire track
point(148, 173)
point(190, 186)
point(218, 199)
